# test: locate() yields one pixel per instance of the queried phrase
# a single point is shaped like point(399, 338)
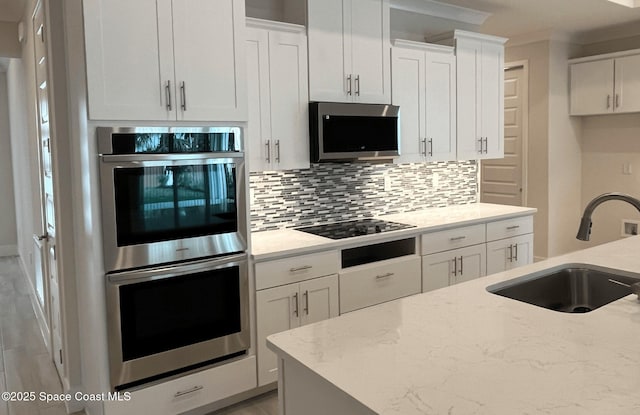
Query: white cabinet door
point(592, 87)
point(627, 80)
point(453, 267)
point(277, 309)
point(437, 270)
point(509, 253)
point(440, 107)
point(367, 28)
point(289, 101)
point(209, 74)
point(319, 299)
point(472, 263)
point(128, 67)
point(492, 106)
point(328, 67)
point(468, 79)
point(408, 92)
point(259, 127)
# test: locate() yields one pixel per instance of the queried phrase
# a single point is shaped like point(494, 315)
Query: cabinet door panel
point(497, 256)
point(126, 69)
point(592, 87)
point(408, 92)
point(207, 35)
point(524, 250)
point(319, 299)
point(492, 106)
point(468, 79)
point(472, 264)
point(275, 311)
point(437, 270)
point(289, 100)
point(258, 131)
point(440, 122)
point(627, 81)
point(369, 44)
point(328, 63)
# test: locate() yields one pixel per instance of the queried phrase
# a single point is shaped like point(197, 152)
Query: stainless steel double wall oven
point(175, 252)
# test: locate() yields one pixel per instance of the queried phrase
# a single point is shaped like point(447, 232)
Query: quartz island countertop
point(462, 350)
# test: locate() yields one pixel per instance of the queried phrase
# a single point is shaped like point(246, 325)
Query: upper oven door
point(160, 208)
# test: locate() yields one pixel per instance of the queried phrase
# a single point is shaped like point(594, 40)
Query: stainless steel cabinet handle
point(167, 91)
point(617, 100)
point(302, 268)
point(510, 257)
point(306, 302)
point(431, 147)
point(424, 145)
point(358, 85)
point(268, 145)
point(387, 275)
point(481, 141)
point(295, 299)
point(278, 151)
point(486, 145)
point(349, 84)
point(608, 101)
point(457, 238)
point(510, 228)
point(183, 92)
point(188, 391)
point(515, 257)
point(461, 264)
point(455, 266)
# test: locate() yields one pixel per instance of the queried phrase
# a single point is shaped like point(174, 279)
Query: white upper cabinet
point(601, 85)
point(423, 85)
point(165, 60)
point(480, 94)
point(349, 59)
point(278, 133)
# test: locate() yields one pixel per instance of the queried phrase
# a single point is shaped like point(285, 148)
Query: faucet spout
point(584, 231)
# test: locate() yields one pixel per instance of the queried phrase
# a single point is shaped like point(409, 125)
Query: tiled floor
point(25, 365)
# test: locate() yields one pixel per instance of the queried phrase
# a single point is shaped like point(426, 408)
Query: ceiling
point(11, 10)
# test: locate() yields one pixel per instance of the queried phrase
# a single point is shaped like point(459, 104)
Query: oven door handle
point(218, 155)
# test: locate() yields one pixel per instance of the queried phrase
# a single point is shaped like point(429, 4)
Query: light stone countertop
point(286, 242)
point(462, 350)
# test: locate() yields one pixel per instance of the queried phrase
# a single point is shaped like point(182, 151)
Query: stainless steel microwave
point(347, 132)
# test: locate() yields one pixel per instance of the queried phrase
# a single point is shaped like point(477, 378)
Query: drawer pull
point(458, 238)
point(510, 228)
point(188, 391)
point(304, 268)
point(387, 275)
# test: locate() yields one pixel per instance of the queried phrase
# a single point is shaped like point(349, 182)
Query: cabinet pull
point(510, 228)
point(268, 145)
point(515, 257)
point(167, 91)
point(277, 151)
point(383, 276)
point(455, 266)
point(461, 264)
point(349, 84)
point(306, 302)
point(302, 268)
point(510, 257)
point(481, 141)
point(424, 144)
point(358, 85)
point(458, 238)
point(431, 147)
point(617, 100)
point(295, 299)
point(183, 92)
point(486, 145)
point(608, 101)
point(188, 391)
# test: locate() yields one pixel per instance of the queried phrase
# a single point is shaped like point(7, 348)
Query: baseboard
point(8, 250)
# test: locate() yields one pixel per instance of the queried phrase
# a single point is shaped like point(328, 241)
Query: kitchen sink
point(569, 288)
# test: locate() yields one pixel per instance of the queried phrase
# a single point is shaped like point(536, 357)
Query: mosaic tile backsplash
point(332, 192)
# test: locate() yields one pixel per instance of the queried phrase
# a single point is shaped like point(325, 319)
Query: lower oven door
point(165, 320)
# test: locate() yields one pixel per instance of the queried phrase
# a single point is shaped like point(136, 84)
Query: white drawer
point(453, 239)
point(189, 392)
point(299, 268)
point(370, 284)
point(509, 227)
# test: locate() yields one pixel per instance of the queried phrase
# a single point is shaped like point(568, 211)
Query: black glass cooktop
point(351, 228)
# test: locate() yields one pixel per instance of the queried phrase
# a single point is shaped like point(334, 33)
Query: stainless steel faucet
point(585, 223)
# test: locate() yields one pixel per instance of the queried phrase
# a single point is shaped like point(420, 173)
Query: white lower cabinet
point(452, 267)
point(289, 306)
point(366, 285)
point(509, 253)
point(188, 392)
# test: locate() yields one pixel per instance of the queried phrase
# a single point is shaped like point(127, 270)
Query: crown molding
point(437, 9)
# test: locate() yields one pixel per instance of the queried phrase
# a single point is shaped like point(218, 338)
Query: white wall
point(9, 45)
point(8, 235)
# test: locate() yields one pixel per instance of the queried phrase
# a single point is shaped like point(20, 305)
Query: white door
point(408, 92)
point(259, 127)
point(210, 68)
point(501, 180)
point(277, 309)
point(440, 108)
point(468, 84)
point(367, 39)
point(592, 87)
point(129, 65)
point(437, 270)
point(492, 104)
point(472, 263)
point(289, 101)
point(47, 192)
point(627, 80)
point(328, 65)
point(319, 299)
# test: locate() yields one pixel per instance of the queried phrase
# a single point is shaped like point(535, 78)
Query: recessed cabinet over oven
point(171, 194)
